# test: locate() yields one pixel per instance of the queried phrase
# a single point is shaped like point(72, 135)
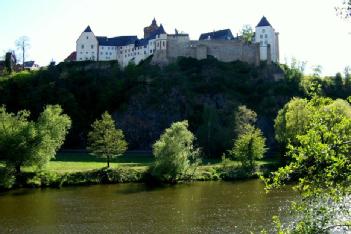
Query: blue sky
point(309, 30)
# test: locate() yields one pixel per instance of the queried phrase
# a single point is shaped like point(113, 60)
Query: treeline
point(146, 99)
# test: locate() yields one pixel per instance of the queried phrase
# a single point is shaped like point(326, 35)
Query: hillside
point(146, 99)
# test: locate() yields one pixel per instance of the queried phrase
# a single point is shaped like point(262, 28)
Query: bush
point(248, 147)
point(175, 155)
point(7, 179)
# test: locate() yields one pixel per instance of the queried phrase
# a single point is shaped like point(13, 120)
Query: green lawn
point(73, 162)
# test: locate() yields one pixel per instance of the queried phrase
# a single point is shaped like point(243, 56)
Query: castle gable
point(225, 34)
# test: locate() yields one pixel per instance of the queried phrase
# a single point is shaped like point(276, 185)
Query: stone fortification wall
point(223, 50)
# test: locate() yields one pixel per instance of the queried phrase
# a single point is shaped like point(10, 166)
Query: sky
point(309, 30)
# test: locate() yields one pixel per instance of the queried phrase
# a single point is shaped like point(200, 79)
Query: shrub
point(175, 155)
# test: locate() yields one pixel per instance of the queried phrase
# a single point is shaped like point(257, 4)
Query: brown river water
point(201, 207)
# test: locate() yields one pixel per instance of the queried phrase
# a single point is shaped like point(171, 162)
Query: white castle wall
point(87, 47)
point(267, 36)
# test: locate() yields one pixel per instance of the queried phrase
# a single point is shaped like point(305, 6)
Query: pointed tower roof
point(88, 29)
point(263, 22)
point(154, 22)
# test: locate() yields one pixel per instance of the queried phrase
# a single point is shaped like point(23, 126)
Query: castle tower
point(87, 46)
point(161, 39)
point(268, 39)
point(148, 30)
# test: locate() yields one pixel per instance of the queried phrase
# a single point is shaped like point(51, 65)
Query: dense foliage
point(29, 143)
point(147, 99)
point(249, 144)
point(175, 155)
point(105, 140)
point(249, 147)
point(319, 152)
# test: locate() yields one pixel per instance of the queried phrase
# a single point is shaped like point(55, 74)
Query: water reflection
point(209, 207)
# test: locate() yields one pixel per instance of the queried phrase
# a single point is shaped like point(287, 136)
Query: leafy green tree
point(247, 34)
point(291, 120)
point(243, 118)
point(175, 154)
point(320, 163)
point(29, 143)
point(105, 140)
point(295, 117)
point(248, 147)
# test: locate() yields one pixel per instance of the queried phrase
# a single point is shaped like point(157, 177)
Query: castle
point(166, 48)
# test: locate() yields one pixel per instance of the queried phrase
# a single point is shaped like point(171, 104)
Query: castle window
point(263, 30)
point(87, 38)
point(106, 53)
point(82, 46)
point(110, 53)
point(163, 43)
point(101, 53)
point(266, 42)
point(261, 36)
point(265, 36)
point(144, 52)
point(102, 47)
point(92, 46)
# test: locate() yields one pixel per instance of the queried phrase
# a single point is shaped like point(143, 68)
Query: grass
point(80, 162)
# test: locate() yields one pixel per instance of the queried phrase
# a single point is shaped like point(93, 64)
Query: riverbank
point(73, 169)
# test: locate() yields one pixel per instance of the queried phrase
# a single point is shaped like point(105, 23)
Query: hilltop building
point(165, 48)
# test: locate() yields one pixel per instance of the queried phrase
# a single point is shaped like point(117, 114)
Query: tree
point(211, 133)
point(247, 34)
point(320, 163)
point(29, 143)
point(175, 154)
point(23, 44)
point(105, 140)
point(291, 121)
point(344, 10)
point(10, 61)
point(295, 117)
point(243, 118)
point(347, 74)
point(248, 147)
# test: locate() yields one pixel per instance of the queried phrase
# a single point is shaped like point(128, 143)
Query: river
point(201, 207)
